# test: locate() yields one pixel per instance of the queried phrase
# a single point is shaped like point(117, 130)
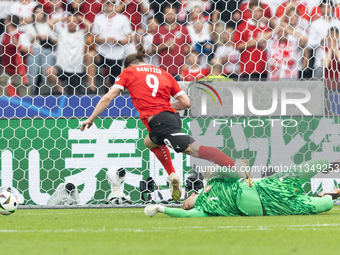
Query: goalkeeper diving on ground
point(279, 194)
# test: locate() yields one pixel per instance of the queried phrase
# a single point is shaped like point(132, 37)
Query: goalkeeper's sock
point(163, 154)
point(215, 155)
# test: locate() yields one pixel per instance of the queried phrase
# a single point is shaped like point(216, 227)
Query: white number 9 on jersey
point(153, 82)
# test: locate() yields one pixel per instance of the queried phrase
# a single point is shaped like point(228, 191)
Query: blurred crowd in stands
point(79, 46)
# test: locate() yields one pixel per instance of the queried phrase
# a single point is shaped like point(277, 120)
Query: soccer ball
point(8, 203)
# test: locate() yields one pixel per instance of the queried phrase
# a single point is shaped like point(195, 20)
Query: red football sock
point(163, 154)
point(215, 155)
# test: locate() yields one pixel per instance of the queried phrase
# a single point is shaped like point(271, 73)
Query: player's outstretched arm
point(152, 210)
point(174, 212)
point(103, 103)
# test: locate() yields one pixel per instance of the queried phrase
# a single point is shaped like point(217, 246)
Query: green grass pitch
point(129, 231)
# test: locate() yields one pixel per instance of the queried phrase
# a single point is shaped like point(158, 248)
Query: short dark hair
point(171, 6)
point(330, 2)
point(335, 29)
point(39, 6)
point(14, 19)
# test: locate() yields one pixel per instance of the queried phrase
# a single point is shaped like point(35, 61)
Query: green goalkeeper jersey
point(219, 198)
point(272, 196)
point(280, 194)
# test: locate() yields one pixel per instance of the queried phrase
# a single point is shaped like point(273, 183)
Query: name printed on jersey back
point(148, 69)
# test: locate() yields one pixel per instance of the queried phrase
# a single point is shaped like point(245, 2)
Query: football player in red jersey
point(150, 89)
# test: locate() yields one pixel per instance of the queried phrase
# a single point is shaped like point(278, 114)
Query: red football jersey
point(133, 12)
point(9, 60)
point(302, 9)
point(315, 13)
point(196, 74)
point(150, 89)
point(253, 59)
point(172, 60)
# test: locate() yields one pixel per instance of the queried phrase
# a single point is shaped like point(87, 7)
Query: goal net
point(262, 76)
